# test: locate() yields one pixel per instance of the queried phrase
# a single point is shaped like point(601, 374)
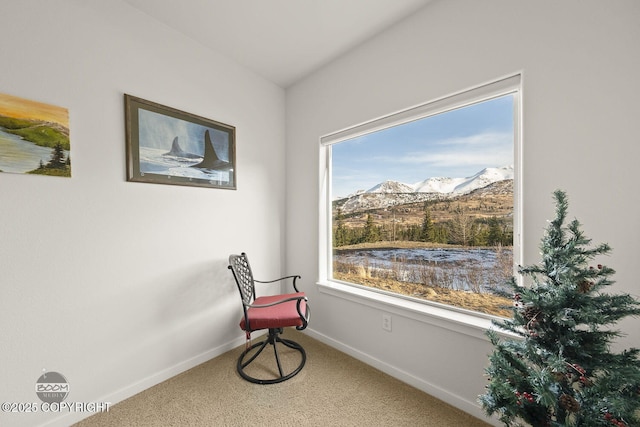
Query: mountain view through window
point(425, 209)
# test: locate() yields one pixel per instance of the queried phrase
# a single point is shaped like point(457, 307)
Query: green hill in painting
point(45, 134)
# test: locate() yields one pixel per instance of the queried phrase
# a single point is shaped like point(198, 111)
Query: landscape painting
point(34, 137)
point(169, 146)
point(425, 209)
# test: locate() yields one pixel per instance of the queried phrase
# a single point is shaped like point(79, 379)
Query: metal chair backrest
point(239, 266)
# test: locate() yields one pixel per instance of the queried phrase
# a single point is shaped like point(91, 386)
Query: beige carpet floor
point(333, 389)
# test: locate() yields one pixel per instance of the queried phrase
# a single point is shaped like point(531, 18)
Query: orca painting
point(169, 146)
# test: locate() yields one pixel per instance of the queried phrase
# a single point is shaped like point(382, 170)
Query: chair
point(274, 313)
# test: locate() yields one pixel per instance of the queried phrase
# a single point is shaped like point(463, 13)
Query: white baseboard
point(453, 399)
point(148, 382)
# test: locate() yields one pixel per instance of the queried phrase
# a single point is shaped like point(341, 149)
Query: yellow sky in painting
point(21, 108)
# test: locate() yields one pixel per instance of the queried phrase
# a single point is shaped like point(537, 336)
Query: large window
point(422, 204)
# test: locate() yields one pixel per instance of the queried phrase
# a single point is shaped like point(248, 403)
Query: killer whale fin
point(177, 151)
point(211, 159)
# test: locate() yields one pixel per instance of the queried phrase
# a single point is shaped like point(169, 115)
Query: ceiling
point(281, 40)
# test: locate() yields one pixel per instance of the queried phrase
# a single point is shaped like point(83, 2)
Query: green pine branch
point(560, 370)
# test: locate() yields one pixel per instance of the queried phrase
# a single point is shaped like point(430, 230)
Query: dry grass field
point(480, 302)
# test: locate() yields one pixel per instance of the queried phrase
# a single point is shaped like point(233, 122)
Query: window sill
point(457, 320)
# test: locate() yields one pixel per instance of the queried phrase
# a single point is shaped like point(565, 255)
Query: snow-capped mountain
point(390, 193)
point(391, 187)
point(464, 185)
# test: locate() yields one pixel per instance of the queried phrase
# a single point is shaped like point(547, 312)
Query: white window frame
point(462, 320)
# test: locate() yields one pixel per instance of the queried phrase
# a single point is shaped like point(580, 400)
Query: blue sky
point(454, 144)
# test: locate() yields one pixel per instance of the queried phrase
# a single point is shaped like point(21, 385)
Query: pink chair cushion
point(275, 316)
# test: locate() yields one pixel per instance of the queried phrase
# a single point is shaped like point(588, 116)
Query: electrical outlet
point(386, 322)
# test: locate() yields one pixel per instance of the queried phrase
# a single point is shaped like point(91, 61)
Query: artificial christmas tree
point(559, 369)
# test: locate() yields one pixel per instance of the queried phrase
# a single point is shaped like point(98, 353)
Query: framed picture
point(34, 137)
point(169, 146)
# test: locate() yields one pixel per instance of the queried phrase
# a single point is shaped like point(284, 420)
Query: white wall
point(580, 64)
point(120, 285)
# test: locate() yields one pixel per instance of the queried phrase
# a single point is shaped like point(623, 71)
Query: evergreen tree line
point(58, 160)
point(463, 229)
point(58, 165)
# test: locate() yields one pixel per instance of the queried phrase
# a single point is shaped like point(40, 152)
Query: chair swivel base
point(272, 339)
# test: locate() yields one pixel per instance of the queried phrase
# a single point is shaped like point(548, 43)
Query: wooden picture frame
point(169, 146)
